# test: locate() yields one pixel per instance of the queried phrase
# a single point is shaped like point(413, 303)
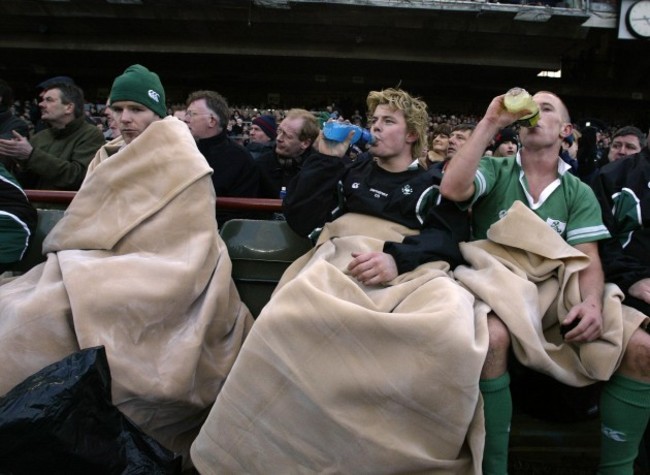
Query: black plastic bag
point(61, 421)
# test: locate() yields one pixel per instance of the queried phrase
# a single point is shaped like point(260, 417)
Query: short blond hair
point(414, 109)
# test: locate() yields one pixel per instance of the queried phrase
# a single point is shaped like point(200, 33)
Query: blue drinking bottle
point(338, 132)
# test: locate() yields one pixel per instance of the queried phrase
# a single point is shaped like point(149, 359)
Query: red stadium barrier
point(252, 204)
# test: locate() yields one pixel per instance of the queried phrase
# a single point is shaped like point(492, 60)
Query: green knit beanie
point(140, 85)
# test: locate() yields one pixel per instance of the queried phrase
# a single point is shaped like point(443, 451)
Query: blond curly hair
point(414, 109)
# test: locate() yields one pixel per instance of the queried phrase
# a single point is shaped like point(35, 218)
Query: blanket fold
point(136, 265)
point(528, 275)
point(338, 377)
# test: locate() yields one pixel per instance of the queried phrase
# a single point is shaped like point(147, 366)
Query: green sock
point(624, 413)
point(497, 408)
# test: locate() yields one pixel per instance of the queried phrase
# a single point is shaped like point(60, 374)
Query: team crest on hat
point(140, 85)
point(154, 95)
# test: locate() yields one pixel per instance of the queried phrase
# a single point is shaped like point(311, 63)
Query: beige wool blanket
point(528, 275)
point(136, 265)
point(337, 377)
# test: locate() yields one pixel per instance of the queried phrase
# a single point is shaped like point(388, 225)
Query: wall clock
point(637, 19)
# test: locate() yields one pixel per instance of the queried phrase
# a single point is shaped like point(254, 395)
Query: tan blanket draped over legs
point(136, 265)
point(337, 377)
point(528, 275)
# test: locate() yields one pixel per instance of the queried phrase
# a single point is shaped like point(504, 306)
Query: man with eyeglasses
point(235, 172)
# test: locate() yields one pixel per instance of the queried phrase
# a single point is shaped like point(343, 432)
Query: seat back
point(47, 218)
point(260, 251)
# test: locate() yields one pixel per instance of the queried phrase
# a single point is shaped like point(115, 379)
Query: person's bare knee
point(636, 360)
point(496, 361)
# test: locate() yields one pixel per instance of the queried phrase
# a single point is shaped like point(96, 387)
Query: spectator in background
point(296, 135)
point(626, 141)
point(356, 118)
point(438, 145)
point(235, 171)
point(506, 143)
point(590, 152)
point(178, 111)
point(622, 189)
point(569, 151)
point(333, 112)
point(41, 88)
point(9, 122)
point(237, 128)
point(262, 135)
point(112, 127)
point(56, 158)
point(459, 135)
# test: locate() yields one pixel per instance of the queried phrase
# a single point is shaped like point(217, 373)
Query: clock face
point(638, 19)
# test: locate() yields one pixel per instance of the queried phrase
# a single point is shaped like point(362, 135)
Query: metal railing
point(223, 203)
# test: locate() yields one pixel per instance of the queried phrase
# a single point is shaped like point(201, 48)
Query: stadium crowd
point(549, 221)
point(598, 133)
point(28, 110)
point(242, 116)
point(242, 142)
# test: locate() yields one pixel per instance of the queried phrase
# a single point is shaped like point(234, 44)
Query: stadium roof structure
point(302, 51)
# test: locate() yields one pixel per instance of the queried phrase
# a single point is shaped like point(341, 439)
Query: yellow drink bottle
point(518, 99)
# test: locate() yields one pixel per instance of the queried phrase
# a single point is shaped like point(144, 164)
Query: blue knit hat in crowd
point(267, 124)
point(140, 85)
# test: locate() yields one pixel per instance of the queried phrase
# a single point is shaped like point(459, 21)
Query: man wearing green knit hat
point(144, 213)
point(137, 99)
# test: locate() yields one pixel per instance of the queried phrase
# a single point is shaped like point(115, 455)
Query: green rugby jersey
point(567, 205)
